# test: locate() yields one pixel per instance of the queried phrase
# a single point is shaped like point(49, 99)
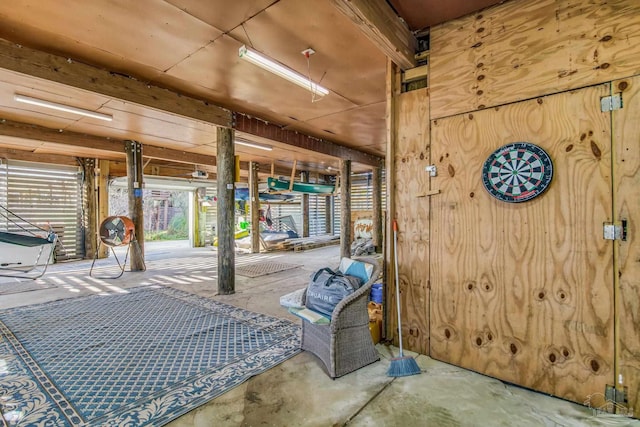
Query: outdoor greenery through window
point(166, 213)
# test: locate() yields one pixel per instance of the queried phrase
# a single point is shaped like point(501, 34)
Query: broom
point(400, 366)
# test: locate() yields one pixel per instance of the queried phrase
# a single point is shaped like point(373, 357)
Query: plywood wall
point(412, 155)
point(528, 48)
point(524, 292)
point(627, 206)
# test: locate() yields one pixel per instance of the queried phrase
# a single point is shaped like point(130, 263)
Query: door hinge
point(611, 103)
point(616, 395)
point(615, 231)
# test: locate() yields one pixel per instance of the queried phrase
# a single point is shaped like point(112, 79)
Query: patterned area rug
point(263, 268)
point(139, 358)
point(14, 287)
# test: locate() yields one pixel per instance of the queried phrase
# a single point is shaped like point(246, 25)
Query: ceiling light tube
point(253, 145)
point(280, 70)
point(62, 107)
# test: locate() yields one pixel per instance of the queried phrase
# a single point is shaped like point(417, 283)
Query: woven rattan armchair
point(345, 344)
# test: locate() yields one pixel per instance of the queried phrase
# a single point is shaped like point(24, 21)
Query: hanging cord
point(313, 89)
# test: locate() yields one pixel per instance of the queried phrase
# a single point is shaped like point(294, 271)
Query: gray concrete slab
point(298, 392)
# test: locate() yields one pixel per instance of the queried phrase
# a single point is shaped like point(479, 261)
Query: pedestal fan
point(117, 231)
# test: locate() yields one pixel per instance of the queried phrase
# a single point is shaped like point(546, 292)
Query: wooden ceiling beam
point(30, 156)
point(65, 71)
point(57, 136)
point(257, 127)
point(380, 24)
point(62, 70)
point(160, 153)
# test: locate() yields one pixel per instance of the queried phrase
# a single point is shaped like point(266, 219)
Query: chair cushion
point(310, 316)
point(294, 299)
point(362, 270)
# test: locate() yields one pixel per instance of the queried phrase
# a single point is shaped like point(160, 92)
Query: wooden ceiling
point(191, 48)
point(420, 14)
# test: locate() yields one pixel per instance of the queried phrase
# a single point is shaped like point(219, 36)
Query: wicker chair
point(345, 344)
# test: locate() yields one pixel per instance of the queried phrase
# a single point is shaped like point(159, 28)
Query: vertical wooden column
point(328, 214)
point(90, 208)
point(254, 200)
point(200, 194)
point(195, 211)
point(377, 208)
point(226, 212)
point(392, 90)
point(304, 177)
point(103, 203)
point(346, 234)
point(134, 175)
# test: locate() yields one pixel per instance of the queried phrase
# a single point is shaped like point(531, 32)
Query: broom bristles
point(403, 366)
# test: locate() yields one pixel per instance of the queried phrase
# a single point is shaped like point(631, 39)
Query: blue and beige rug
point(139, 358)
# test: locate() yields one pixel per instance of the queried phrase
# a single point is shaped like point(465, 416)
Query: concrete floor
point(298, 392)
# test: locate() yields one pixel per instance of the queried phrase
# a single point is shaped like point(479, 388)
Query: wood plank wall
point(627, 206)
point(529, 293)
point(412, 155)
point(527, 48)
point(524, 291)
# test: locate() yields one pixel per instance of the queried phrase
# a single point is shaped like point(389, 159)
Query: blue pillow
point(361, 270)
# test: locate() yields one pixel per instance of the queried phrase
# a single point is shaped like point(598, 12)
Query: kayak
point(300, 187)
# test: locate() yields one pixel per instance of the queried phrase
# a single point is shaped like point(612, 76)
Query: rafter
point(274, 132)
point(380, 24)
point(56, 136)
point(110, 145)
point(58, 69)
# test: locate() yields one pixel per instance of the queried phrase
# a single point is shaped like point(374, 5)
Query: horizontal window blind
point(45, 196)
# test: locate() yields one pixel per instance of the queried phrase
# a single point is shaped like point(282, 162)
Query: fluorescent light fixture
point(62, 107)
point(253, 145)
point(280, 70)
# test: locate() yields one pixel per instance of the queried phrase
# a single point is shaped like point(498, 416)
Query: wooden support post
point(392, 90)
point(134, 174)
point(196, 212)
point(254, 200)
point(346, 234)
point(90, 207)
point(226, 212)
point(304, 177)
point(236, 168)
point(103, 203)
point(377, 209)
point(380, 24)
point(293, 175)
point(328, 214)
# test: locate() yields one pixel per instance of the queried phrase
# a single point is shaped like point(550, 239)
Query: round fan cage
point(117, 231)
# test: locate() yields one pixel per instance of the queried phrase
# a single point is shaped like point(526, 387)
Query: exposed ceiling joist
point(377, 20)
point(28, 156)
point(57, 136)
point(274, 132)
point(58, 69)
point(75, 74)
point(75, 139)
point(44, 134)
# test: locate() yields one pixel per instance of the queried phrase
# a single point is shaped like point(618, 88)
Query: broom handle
point(395, 262)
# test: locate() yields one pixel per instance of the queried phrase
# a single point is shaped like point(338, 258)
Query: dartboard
point(517, 172)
